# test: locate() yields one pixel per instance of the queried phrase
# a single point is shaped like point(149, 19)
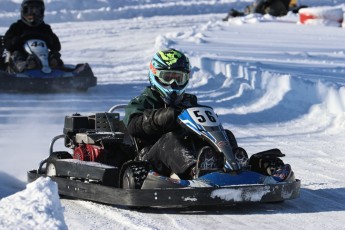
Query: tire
point(128, 181)
point(59, 155)
point(134, 176)
point(50, 168)
point(232, 138)
point(241, 156)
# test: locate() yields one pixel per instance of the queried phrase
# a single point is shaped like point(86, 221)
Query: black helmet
point(169, 74)
point(32, 12)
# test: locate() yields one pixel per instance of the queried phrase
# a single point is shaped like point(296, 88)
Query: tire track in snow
point(101, 216)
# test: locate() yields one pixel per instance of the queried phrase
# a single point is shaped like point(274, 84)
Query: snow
point(36, 207)
point(274, 82)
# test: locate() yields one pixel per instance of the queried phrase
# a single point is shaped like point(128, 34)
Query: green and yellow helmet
point(169, 74)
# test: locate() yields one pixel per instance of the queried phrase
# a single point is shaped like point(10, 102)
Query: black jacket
point(272, 7)
point(19, 32)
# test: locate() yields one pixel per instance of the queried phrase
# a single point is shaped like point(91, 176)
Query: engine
point(86, 152)
point(98, 138)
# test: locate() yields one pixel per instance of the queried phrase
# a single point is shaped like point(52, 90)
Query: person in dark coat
point(152, 118)
point(31, 26)
point(273, 7)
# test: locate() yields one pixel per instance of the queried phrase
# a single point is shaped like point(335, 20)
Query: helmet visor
point(168, 77)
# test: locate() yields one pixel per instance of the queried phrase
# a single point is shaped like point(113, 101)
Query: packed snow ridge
point(37, 207)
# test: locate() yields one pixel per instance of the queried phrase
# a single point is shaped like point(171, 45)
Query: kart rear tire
point(59, 155)
point(50, 168)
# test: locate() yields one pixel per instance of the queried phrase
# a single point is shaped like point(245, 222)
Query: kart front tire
point(128, 180)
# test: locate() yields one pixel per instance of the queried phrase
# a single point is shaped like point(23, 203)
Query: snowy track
point(274, 84)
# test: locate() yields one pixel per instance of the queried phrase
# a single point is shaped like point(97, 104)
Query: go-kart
point(43, 79)
point(104, 166)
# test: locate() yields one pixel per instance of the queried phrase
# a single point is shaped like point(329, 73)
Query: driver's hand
point(54, 63)
point(166, 117)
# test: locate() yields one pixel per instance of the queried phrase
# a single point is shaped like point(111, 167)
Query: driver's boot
point(208, 161)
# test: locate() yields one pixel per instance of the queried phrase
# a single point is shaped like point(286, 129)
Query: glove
point(165, 118)
point(54, 60)
point(159, 121)
point(54, 54)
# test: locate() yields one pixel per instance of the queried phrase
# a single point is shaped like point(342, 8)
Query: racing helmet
point(32, 12)
point(169, 74)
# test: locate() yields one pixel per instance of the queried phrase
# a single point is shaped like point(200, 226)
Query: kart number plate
point(204, 116)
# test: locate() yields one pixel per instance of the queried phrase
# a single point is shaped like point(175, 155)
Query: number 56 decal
point(204, 116)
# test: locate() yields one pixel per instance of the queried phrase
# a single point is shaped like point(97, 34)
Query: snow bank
point(36, 207)
point(9, 185)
